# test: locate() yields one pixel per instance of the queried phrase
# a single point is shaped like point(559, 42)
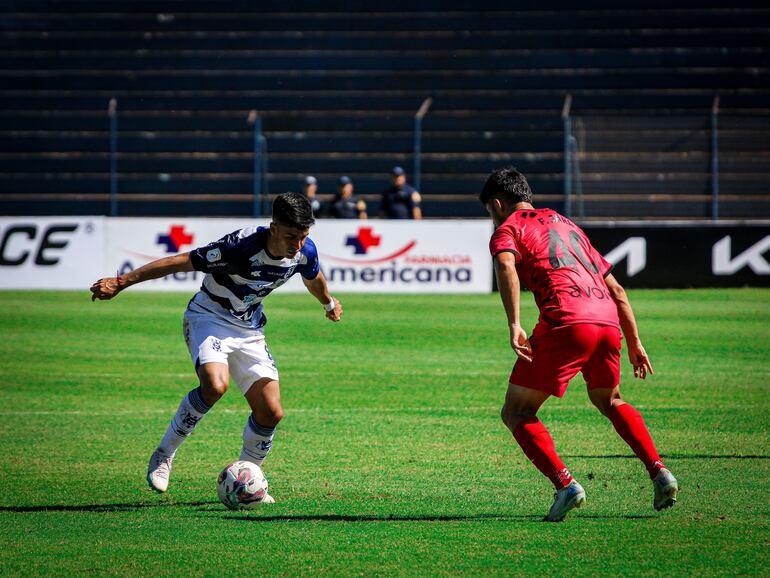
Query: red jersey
point(555, 259)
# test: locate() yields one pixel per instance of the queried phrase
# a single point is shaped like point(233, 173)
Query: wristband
point(330, 305)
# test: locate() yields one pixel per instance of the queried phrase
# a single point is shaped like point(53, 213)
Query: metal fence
point(710, 166)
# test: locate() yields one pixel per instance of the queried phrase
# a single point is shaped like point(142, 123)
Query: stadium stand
point(337, 90)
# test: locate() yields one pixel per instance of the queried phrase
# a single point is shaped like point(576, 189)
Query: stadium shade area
point(337, 91)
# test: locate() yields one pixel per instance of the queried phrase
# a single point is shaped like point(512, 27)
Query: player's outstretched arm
point(320, 290)
point(510, 293)
point(636, 353)
point(109, 287)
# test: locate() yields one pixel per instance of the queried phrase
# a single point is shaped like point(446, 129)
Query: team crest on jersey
point(213, 255)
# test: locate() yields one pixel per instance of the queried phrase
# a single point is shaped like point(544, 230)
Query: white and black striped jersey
point(240, 273)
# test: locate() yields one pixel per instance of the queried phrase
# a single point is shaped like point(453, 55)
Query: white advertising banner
point(378, 256)
point(132, 242)
point(374, 256)
point(50, 252)
point(356, 256)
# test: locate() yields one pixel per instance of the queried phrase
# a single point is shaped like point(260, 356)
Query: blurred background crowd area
point(633, 110)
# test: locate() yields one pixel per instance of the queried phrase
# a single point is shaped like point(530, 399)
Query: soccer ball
point(242, 486)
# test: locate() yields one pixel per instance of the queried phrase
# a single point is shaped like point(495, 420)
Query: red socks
point(534, 439)
point(630, 426)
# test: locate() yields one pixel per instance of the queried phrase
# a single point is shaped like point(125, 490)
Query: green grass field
point(391, 459)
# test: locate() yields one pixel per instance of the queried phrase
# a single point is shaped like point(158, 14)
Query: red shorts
point(558, 353)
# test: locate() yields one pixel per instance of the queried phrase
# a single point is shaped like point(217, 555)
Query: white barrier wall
point(50, 252)
point(130, 243)
point(357, 256)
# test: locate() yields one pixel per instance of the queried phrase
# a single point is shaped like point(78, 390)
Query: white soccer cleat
point(666, 489)
point(573, 496)
point(159, 471)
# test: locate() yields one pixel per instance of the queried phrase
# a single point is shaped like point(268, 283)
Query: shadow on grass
point(245, 517)
point(415, 518)
point(100, 507)
point(671, 456)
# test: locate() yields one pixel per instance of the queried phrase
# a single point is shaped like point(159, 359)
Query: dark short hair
point(507, 184)
point(294, 210)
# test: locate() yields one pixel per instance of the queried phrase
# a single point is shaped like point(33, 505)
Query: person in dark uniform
point(345, 205)
point(309, 189)
point(400, 201)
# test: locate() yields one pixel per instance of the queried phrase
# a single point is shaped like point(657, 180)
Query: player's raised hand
point(520, 343)
point(107, 288)
point(336, 313)
point(638, 357)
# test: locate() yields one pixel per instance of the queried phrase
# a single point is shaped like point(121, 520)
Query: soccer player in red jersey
point(582, 310)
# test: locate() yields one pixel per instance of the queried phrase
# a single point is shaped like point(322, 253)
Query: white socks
point(190, 412)
point(257, 441)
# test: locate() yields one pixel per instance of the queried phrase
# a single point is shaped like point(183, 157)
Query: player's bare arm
point(109, 287)
point(320, 290)
point(636, 353)
point(510, 292)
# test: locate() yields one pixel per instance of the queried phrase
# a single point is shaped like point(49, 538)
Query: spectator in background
point(345, 205)
point(400, 201)
point(309, 189)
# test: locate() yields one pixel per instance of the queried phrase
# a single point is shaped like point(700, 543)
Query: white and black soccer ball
point(241, 486)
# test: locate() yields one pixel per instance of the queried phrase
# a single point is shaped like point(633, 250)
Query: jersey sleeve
point(503, 240)
point(309, 269)
point(221, 256)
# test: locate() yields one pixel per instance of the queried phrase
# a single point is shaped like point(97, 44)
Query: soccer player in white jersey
point(224, 320)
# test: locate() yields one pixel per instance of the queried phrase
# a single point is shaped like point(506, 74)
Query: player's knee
point(512, 416)
point(605, 403)
point(270, 416)
point(213, 389)
point(277, 414)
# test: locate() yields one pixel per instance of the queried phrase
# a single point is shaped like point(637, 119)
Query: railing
point(708, 166)
point(614, 166)
point(714, 160)
point(571, 163)
point(417, 150)
point(260, 153)
point(260, 164)
point(113, 114)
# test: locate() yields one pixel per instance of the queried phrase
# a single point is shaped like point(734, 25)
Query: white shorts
point(245, 351)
